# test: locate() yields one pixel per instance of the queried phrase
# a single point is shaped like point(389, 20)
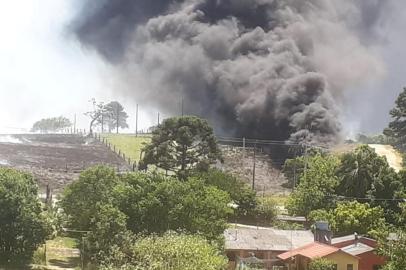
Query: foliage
point(155, 204)
point(266, 210)
point(317, 185)
point(22, 226)
point(182, 144)
point(374, 139)
point(108, 228)
point(350, 217)
point(81, 199)
point(359, 170)
point(294, 168)
point(95, 114)
point(170, 251)
point(321, 264)
point(396, 129)
point(394, 249)
point(111, 206)
point(51, 124)
point(240, 193)
point(114, 115)
point(364, 174)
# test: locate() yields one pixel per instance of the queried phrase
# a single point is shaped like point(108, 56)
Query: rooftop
point(240, 237)
point(357, 249)
point(311, 251)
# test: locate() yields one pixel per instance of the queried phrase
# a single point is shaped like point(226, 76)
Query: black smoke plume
point(269, 69)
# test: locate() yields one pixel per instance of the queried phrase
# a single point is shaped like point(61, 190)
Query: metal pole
point(254, 167)
point(136, 122)
point(183, 112)
point(74, 124)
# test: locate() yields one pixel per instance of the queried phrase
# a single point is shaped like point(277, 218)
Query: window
point(335, 266)
point(377, 267)
point(350, 267)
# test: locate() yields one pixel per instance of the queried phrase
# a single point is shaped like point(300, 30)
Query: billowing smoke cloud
point(271, 69)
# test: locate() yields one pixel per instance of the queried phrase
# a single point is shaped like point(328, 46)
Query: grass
point(129, 144)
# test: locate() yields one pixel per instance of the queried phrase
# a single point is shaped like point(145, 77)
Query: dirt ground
point(55, 159)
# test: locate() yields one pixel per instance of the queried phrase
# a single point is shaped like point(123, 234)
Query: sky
point(45, 72)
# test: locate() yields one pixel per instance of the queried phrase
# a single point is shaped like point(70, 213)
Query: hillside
point(55, 159)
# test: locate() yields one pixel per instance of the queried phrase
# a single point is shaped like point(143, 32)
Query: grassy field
point(129, 144)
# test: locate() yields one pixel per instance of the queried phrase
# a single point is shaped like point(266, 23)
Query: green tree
point(350, 217)
point(321, 264)
point(397, 126)
point(22, 225)
point(54, 124)
point(393, 247)
point(108, 228)
point(240, 193)
point(81, 199)
point(155, 204)
point(115, 116)
point(182, 144)
point(317, 186)
point(360, 170)
point(171, 251)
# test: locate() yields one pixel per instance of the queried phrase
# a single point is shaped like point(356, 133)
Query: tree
point(321, 264)
point(394, 249)
point(22, 226)
point(360, 170)
point(350, 217)
point(82, 199)
point(240, 193)
point(397, 126)
point(95, 114)
point(182, 144)
point(171, 251)
point(115, 116)
point(54, 124)
point(150, 203)
point(155, 204)
point(317, 186)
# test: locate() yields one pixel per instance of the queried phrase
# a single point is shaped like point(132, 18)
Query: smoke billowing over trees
point(264, 68)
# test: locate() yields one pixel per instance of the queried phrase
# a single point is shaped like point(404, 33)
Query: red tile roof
point(311, 251)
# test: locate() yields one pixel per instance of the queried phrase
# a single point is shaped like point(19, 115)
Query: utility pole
point(118, 119)
point(74, 124)
point(254, 167)
point(183, 111)
point(158, 119)
point(136, 121)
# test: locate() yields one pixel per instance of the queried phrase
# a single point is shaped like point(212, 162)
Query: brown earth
point(268, 178)
point(55, 159)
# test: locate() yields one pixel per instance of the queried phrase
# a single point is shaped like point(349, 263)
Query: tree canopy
point(397, 127)
point(181, 145)
point(54, 124)
point(22, 225)
point(107, 204)
point(115, 116)
point(317, 186)
point(171, 251)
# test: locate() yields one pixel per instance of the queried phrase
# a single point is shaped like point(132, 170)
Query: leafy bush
point(240, 193)
point(266, 210)
point(171, 251)
point(321, 264)
point(22, 226)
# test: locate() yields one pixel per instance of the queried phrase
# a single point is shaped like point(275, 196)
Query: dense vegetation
point(181, 145)
point(54, 124)
point(23, 226)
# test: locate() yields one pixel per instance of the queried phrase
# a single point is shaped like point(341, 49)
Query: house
point(300, 258)
point(252, 244)
point(363, 248)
